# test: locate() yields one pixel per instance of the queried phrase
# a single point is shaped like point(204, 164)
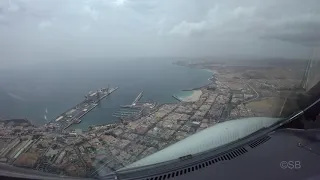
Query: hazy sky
point(31, 29)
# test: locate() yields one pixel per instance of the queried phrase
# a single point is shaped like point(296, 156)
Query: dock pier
point(137, 98)
point(176, 98)
point(74, 114)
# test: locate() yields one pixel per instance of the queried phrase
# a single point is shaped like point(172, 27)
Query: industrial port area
point(74, 115)
point(136, 109)
point(146, 127)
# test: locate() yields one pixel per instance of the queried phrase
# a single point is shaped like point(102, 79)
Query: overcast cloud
point(31, 29)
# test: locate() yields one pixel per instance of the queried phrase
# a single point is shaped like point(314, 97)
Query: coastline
point(195, 96)
point(196, 93)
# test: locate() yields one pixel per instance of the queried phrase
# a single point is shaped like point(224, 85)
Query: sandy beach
point(193, 97)
point(211, 71)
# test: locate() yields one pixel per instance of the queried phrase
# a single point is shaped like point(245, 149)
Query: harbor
point(74, 114)
point(134, 103)
point(135, 110)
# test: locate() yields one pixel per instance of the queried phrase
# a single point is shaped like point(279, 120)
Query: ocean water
point(50, 88)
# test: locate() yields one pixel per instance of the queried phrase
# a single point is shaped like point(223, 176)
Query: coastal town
point(233, 92)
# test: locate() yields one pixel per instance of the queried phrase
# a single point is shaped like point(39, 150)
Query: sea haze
point(51, 88)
